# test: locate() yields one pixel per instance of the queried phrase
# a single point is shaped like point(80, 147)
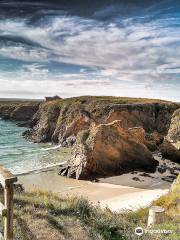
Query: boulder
point(170, 151)
point(162, 169)
point(72, 119)
point(109, 149)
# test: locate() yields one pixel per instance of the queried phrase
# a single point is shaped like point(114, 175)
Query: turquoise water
point(20, 156)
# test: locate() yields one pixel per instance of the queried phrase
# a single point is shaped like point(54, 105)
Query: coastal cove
point(89, 120)
point(130, 191)
point(114, 156)
point(36, 165)
point(21, 156)
point(35, 152)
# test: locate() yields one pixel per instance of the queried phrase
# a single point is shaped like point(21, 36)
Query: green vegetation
point(120, 100)
point(106, 99)
point(82, 100)
point(171, 201)
point(91, 102)
point(15, 102)
point(42, 215)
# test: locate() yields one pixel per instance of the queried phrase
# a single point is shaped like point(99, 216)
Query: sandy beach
point(118, 193)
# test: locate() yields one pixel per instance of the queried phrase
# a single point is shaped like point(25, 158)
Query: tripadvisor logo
point(139, 231)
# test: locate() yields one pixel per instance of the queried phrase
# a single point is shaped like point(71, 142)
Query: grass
point(106, 99)
point(93, 101)
point(15, 102)
point(171, 201)
point(77, 100)
point(43, 215)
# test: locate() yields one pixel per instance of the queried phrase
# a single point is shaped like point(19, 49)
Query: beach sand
point(118, 193)
point(125, 192)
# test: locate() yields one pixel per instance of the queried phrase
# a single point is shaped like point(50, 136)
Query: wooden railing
point(6, 209)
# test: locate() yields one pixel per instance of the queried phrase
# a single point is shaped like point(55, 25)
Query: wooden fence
point(6, 208)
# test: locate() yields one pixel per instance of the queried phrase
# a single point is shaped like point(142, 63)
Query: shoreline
point(117, 197)
point(44, 169)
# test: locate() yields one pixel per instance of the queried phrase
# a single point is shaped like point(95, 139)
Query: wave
point(19, 170)
point(51, 148)
point(21, 156)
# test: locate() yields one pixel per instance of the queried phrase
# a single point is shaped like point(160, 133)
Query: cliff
point(89, 124)
point(60, 121)
point(100, 147)
point(18, 110)
point(171, 146)
point(109, 149)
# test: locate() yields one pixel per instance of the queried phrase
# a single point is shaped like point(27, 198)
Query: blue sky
point(113, 48)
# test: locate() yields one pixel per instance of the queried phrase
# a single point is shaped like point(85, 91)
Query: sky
point(74, 48)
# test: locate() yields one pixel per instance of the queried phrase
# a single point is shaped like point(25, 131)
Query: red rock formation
point(109, 149)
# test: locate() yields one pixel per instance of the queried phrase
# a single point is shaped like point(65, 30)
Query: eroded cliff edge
point(109, 135)
point(60, 121)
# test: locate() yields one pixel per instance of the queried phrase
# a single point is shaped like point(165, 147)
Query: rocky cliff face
point(101, 146)
point(109, 149)
point(110, 135)
point(171, 145)
point(18, 111)
point(60, 121)
point(44, 122)
point(174, 129)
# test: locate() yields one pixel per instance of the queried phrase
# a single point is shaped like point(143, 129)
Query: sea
point(21, 156)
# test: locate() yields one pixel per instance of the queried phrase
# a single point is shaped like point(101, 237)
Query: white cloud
point(124, 54)
point(23, 53)
point(90, 43)
point(35, 70)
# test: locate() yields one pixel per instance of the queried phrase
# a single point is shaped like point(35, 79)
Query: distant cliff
point(18, 110)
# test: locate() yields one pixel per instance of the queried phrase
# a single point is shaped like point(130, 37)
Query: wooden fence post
point(156, 215)
point(6, 210)
point(8, 220)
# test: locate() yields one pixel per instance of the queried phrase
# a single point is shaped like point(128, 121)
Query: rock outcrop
point(18, 111)
point(44, 122)
point(171, 146)
point(174, 129)
point(110, 135)
point(77, 114)
point(109, 149)
point(170, 151)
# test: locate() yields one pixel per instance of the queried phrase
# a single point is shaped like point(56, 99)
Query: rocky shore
point(109, 135)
